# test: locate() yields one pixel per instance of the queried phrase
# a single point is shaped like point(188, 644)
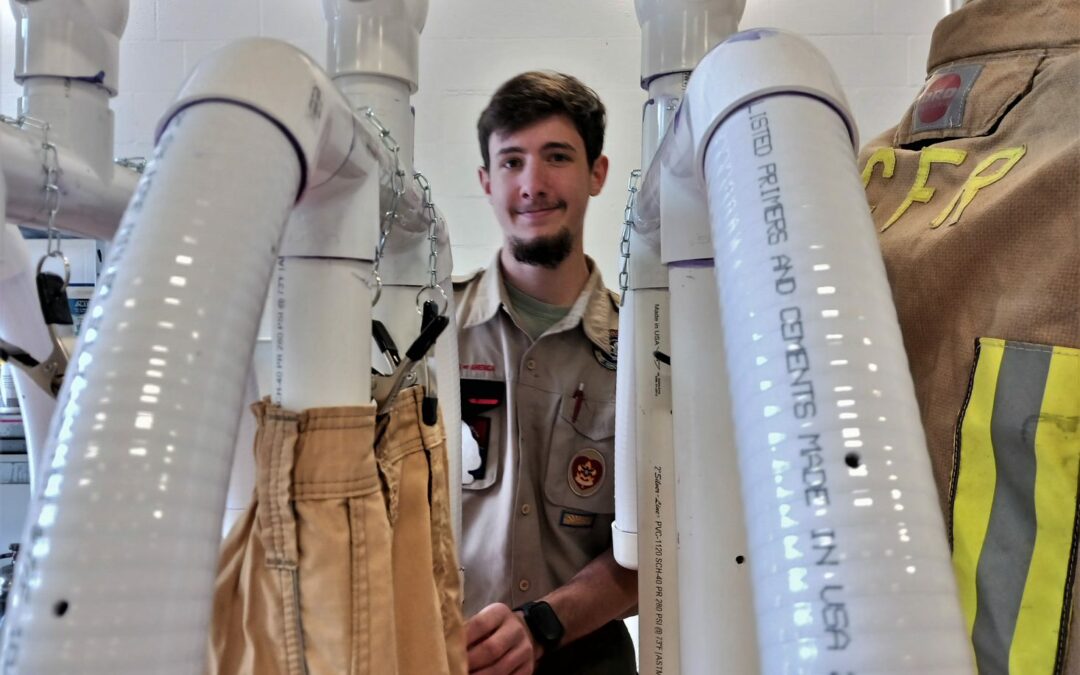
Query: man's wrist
point(545, 628)
point(537, 649)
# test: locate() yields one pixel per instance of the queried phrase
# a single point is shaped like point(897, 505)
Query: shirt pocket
point(1013, 503)
point(580, 472)
point(483, 413)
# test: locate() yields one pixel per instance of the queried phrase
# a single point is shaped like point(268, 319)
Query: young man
point(538, 335)
point(975, 194)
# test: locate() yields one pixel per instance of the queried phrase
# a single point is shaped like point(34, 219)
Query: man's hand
point(499, 642)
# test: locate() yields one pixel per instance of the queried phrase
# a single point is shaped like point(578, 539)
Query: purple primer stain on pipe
point(695, 263)
point(752, 34)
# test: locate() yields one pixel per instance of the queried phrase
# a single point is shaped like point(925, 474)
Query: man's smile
point(539, 211)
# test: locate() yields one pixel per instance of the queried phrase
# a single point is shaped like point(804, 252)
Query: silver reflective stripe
point(1010, 537)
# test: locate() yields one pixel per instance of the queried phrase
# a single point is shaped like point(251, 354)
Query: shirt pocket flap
point(966, 100)
point(592, 419)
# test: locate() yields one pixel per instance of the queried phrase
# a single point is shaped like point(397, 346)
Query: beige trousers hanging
point(344, 563)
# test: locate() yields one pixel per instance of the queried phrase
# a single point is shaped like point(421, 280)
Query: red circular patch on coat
point(586, 472)
point(935, 101)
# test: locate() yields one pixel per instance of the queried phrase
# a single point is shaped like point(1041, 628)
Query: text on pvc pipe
point(797, 362)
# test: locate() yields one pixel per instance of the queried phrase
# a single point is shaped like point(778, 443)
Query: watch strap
point(543, 623)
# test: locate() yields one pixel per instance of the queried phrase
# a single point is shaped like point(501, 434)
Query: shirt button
point(523, 585)
point(526, 509)
point(530, 364)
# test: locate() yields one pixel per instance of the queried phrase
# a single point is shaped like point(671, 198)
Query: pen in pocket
point(579, 398)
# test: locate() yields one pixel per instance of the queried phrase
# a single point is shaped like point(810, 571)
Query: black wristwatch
point(545, 627)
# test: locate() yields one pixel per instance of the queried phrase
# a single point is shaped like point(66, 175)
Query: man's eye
point(511, 163)
point(560, 157)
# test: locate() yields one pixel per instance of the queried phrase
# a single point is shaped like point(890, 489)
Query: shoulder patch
point(943, 99)
point(608, 359)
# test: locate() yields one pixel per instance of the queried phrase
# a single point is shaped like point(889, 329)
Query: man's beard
point(546, 252)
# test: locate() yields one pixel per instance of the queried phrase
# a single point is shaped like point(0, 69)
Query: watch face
point(543, 621)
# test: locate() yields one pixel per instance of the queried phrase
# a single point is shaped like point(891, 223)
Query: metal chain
point(136, 164)
point(433, 242)
point(628, 225)
point(397, 184)
point(50, 167)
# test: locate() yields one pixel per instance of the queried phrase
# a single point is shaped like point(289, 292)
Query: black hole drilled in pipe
point(739, 559)
point(852, 459)
point(60, 608)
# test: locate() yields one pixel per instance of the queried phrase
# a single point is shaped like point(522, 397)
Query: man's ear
point(597, 175)
point(485, 180)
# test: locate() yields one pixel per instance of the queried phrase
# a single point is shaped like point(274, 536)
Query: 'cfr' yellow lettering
point(884, 156)
point(977, 181)
point(919, 191)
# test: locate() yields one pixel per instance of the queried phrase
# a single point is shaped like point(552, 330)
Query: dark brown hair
point(536, 95)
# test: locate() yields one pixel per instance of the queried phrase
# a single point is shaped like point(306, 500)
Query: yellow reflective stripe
point(1035, 644)
point(977, 476)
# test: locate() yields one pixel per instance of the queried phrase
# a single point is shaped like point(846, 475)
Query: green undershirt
point(534, 316)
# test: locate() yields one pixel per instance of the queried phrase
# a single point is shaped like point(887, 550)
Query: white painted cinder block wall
point(878, 48)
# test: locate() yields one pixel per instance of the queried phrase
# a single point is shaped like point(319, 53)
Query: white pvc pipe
point(639, 394)
point(315, 295)
point(22, 324)
point(715, 601)
point(67, 60)
point(645, 454)
point(624, 529)
point(676, 33)
point(90, 204)
point(649, 414)
point(72, 39)
point(373, 56)
point(78, 115)
point(448, 372)
point(377, 37)
point(122, 543)
point(389, 99)
point(851, 569)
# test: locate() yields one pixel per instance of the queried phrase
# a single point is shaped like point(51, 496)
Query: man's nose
point(534, 184)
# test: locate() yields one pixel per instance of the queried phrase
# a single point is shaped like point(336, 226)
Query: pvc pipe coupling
point(77, 39)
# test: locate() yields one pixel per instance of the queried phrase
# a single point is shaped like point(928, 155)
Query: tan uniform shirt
point(977, 196)
point(541, 416)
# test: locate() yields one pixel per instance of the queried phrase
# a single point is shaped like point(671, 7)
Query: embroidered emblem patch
point(475, 436)
point(574, 519)
point(586, 472)
point(943, 99)
point(609, 358)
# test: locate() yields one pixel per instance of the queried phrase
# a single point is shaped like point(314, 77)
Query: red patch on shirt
point(478, 367)
point(935, 101)
point(586, 472)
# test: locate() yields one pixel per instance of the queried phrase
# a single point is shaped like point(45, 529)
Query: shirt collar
point(994, 26)
point(592, 309)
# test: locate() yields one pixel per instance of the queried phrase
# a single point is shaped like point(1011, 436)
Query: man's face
point(539, 184)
